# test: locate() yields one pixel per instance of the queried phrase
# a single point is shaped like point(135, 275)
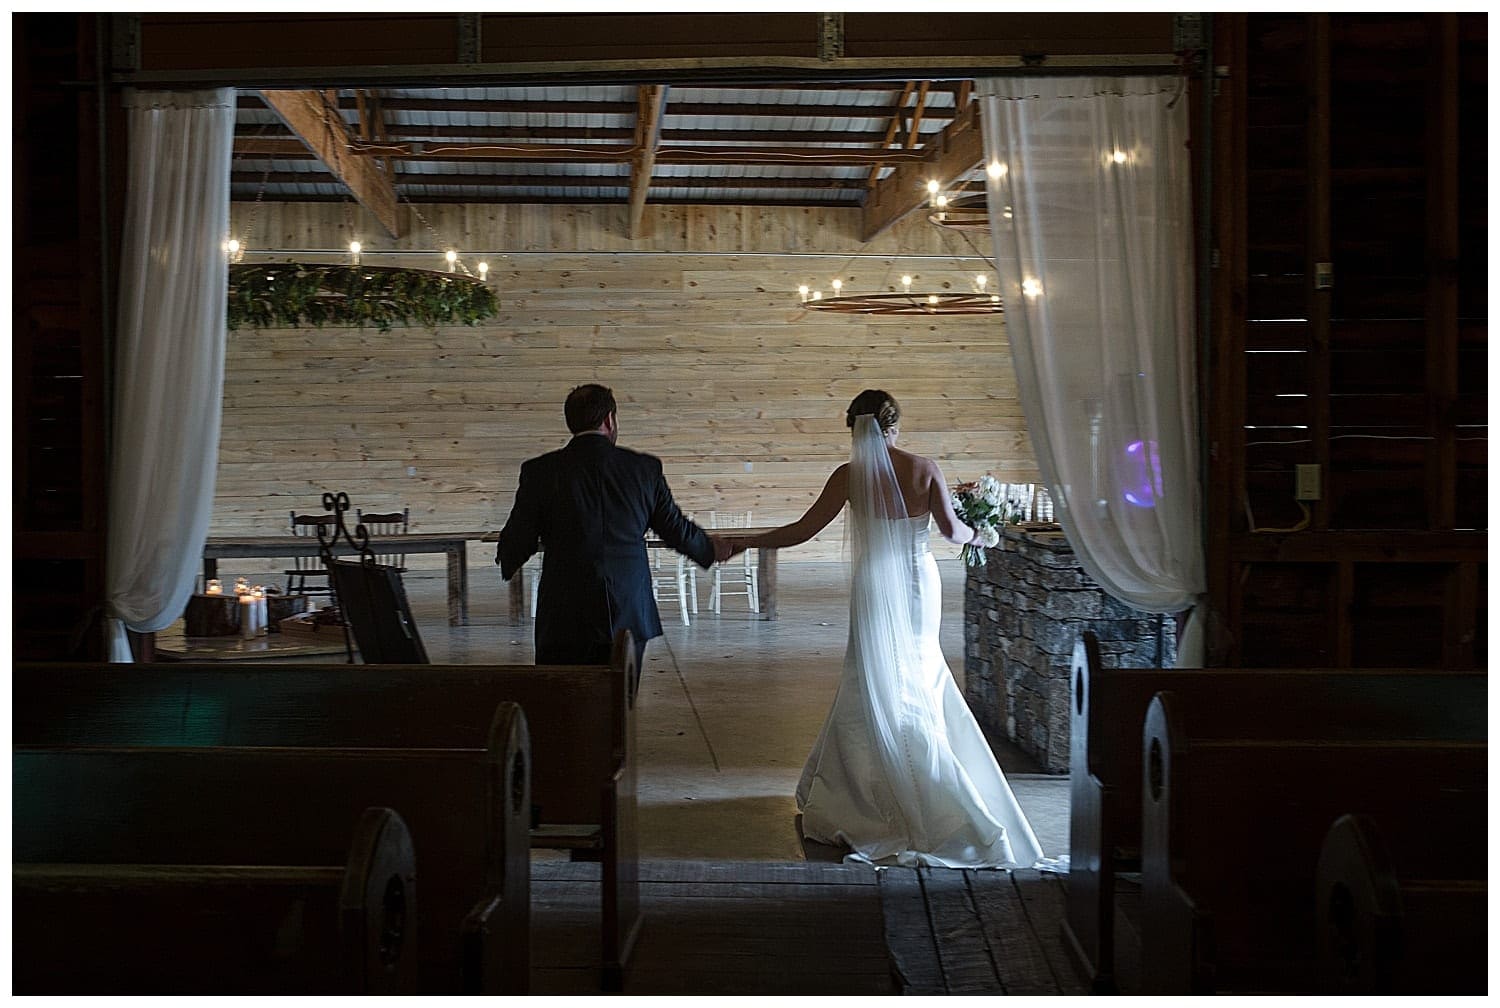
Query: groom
point(587, 506)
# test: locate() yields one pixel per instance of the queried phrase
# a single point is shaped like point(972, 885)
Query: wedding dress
point(901, 773)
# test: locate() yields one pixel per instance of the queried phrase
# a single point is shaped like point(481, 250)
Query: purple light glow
point(1143, 474)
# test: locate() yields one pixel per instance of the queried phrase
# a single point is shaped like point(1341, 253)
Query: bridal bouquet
point(983, 506)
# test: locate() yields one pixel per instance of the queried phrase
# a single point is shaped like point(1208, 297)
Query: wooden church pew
point(467, 809)
point(1231, 833)
point(1108, 708)
point(1401, 910)
point(581, 721)
point(244, 928)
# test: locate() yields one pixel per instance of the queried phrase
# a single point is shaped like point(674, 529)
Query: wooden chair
point(377, 614)
point(269, 783)
point(1231, 835)
point(741, 572)
point(580, 722)
point(1400, 910)
point(167, 923)
point(305, 567)
point(381, 525)
point(1108, 708)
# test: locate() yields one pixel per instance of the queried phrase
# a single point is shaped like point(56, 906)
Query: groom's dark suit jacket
point(587, 506)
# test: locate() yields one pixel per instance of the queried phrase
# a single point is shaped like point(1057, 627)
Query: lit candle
point(247, 617)
point(241, 586)
point(803, 291)
point(214, 588)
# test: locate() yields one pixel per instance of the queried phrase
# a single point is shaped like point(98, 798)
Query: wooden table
point(452, 544)
point(765, 571)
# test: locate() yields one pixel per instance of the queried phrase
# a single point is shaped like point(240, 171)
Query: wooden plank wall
point(1355, 141)
point(57, 340)
point(717, 369)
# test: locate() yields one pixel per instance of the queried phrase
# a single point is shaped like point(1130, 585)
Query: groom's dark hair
point(587, 407)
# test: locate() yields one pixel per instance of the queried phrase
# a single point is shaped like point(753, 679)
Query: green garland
point(291, 295)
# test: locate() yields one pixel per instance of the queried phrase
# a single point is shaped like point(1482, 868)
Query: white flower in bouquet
point(982, 506)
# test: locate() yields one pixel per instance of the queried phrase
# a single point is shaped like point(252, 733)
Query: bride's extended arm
point(940, 502)
point(829, 503)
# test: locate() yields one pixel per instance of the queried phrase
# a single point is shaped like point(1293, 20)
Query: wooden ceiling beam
point(914, 133)
point(627, 109)
point(372, 124)
point(891, 130)
point(314, 116)
point(956, 151)
point(651, 108)
point(593, 153)
point(621, 181)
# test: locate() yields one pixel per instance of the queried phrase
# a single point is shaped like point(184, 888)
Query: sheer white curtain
point(1090, 206)
point(169, 364)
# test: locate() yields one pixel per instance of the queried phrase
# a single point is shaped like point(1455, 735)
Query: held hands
point(726, 548)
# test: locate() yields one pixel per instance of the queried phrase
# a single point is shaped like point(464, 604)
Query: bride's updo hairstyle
point(875, 403)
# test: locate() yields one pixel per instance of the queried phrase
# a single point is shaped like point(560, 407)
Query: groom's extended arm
point(676, 529)
point(519, 538)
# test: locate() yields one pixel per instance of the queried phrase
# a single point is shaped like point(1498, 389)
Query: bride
point(900, 773)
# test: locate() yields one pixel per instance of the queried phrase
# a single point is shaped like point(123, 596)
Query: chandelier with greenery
point(291, 295)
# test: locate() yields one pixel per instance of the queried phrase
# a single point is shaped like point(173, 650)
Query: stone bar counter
point(1023, 609)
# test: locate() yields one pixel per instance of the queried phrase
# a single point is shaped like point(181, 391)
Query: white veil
point(882, 638)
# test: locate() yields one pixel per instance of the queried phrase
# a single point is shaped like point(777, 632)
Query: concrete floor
point(730, 707)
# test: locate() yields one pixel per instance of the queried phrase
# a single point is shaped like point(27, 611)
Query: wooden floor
point(728, 928)
point(965, 931)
